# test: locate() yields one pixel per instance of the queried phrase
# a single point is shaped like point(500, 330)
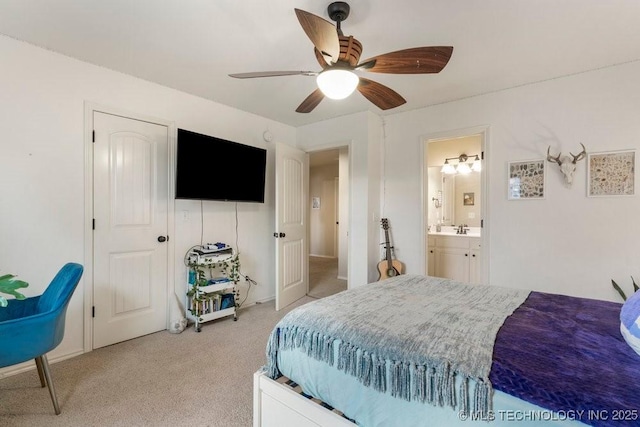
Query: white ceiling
point(192, 45)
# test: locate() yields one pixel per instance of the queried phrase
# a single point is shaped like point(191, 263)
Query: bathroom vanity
point(455, 256)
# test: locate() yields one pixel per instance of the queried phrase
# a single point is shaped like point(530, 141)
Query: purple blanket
point(567, 354)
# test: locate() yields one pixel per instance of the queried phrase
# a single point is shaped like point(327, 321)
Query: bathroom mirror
point(458, 194)
point(454, 199)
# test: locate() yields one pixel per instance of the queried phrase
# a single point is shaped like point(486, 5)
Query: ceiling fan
point(339, 57)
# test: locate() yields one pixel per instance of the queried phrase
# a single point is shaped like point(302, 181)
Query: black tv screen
point(210, 168)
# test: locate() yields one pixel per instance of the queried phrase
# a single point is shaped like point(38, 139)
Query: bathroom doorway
point(455, 200)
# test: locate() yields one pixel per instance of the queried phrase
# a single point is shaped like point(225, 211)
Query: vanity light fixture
point(448, 168)
point(462, 167)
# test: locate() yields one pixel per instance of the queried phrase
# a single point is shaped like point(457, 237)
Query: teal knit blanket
point(409, 335)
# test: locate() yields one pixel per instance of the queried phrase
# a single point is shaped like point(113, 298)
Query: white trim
point(89, 109)
point(484, 132)
point(31, 365)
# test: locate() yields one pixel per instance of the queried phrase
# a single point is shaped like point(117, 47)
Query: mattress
point(556, 360)
point(371, 408)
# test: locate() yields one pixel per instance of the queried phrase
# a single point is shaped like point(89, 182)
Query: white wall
point(566, 243)
point(42, 165)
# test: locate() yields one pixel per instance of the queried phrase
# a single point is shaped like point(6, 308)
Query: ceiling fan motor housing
point(350, 50)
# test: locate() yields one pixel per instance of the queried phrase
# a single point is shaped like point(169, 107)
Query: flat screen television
point(210, 168)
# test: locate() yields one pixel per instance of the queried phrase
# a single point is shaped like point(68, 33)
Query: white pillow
point(630, 321)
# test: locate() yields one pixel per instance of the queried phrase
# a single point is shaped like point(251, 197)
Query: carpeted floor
point(162, 379)
point(323, 277)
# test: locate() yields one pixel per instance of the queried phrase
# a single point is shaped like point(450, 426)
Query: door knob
point(162, 239)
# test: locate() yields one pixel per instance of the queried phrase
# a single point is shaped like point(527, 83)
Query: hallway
point(323, 281)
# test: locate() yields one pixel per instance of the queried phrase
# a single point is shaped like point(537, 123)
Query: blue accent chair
point(34, 326)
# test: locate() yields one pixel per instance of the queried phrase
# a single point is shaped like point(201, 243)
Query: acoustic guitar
point(388, 267)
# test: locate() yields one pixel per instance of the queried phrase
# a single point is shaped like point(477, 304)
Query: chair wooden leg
point(40, 372)
point(47, 375)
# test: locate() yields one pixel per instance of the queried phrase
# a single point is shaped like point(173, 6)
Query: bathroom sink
point(470, 233)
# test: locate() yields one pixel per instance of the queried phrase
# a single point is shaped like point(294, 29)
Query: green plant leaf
point(3, 301)
point(9, 284)
point(635, 287)
point(620, 291)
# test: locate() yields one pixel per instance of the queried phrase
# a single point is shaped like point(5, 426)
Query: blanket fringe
point(434, 384)
point(464, 396)
point(365, 369)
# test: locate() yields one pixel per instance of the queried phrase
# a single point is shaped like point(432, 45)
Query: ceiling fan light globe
point(337, 83)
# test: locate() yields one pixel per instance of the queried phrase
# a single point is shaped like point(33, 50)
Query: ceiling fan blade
point(382, 96)
point(272, 74)
point(418, 60)
point(323, 35)
point(321, 59)
point(310, 102)
point(370, 63)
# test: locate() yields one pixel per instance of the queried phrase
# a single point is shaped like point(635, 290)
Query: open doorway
point(328, 221)
point(455, 209)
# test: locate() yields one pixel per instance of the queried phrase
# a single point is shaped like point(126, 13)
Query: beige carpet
point(323, 277)
point(162, 379)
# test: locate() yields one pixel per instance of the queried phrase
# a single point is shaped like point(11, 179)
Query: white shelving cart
point(212, 286)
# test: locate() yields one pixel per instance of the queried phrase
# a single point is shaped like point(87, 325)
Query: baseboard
point(323, 256)
point(342, 278)
point(260, 301)
point(30, 365)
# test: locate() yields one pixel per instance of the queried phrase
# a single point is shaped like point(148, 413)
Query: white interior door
point(292, 177)
point(130, 231)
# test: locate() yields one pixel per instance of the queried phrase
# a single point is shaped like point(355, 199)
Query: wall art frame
point(611, 173)
point(526, 179)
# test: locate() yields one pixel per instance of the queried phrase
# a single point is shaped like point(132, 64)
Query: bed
point(415, 350)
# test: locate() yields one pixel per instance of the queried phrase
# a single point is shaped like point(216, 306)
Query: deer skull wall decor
point(567, 164)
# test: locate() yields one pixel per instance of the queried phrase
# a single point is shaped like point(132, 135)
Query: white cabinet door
point(475, 267)
point(452, 263)
point(475, 261)
point(431, 262)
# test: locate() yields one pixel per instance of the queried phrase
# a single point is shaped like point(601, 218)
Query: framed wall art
point(611, 173)
point(526, 179)
point(468, 199)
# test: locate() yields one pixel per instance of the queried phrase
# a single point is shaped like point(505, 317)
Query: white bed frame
point(277, 405)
